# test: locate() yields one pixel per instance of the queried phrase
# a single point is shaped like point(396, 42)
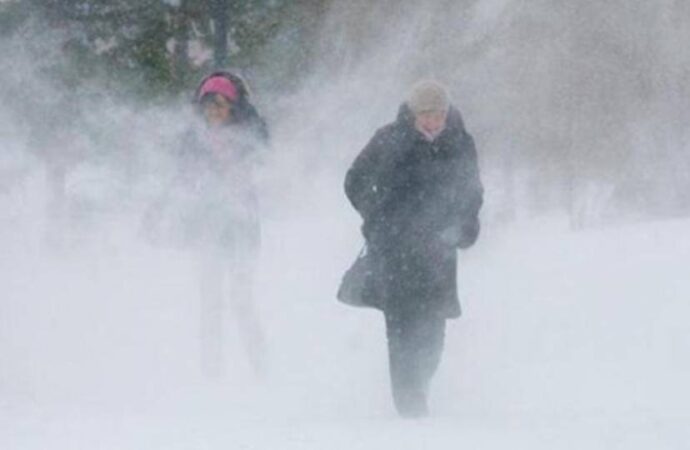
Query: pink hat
point(219, 85)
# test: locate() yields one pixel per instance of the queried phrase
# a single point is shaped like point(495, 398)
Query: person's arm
point(472, 195)
point(467, 198)
point(362, 182)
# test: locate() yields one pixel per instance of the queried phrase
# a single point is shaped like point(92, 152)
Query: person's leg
point(242, 253)
point(398, 362)
point(245, 313)
point(212, 312)
point(430, 337)
point(415, 344)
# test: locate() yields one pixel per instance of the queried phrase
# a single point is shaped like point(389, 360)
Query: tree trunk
point(181, 62)
point(219, 13)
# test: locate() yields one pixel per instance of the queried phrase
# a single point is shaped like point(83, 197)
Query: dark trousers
point(415, 343)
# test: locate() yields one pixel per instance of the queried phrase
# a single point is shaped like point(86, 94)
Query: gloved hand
point(463, 235)
point(469, 232)
point(451, 236)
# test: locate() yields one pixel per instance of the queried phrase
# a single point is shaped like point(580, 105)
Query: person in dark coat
point(417, 187)
point(213, 206)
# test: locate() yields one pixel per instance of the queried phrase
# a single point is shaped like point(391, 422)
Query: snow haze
point(574, 299)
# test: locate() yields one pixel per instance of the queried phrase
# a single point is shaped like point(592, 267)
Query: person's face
point(217, 110)
point(431, 123)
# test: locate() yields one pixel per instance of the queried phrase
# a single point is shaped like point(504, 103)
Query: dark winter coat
point(420, 201)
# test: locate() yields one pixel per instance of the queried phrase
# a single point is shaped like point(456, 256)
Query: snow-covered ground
point(568, 341)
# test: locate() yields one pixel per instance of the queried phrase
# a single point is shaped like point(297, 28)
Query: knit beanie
point(428, 95)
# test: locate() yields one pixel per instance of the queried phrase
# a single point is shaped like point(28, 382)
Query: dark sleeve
point(362, 182)
point(471, 195)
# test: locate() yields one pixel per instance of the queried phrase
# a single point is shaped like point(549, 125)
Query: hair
point(209, 96)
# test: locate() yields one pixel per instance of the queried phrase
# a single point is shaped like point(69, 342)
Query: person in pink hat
point(213, 203)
